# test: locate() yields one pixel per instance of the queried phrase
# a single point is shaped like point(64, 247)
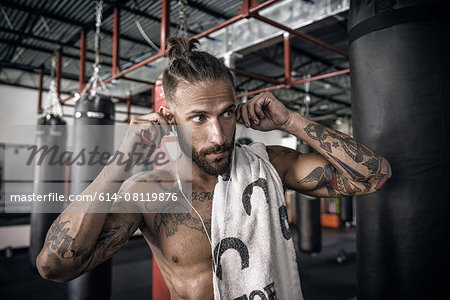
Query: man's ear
point(166, 112)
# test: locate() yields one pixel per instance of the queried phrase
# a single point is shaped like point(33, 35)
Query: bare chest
point(181, 237)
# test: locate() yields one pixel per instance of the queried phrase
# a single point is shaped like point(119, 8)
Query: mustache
point(217, 148)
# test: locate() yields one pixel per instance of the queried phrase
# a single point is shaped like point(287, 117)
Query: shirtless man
point(200, 93)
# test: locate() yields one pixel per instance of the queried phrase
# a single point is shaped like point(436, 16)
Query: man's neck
point(200, 179)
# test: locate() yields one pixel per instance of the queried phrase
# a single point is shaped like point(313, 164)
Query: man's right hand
point(144, 135)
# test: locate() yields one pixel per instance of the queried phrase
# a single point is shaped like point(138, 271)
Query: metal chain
point(95, 78)
point(307, 99)
point(98, 24)
point(54, 108)
point(182, 28)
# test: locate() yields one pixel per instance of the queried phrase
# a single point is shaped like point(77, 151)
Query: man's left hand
point(264, 112)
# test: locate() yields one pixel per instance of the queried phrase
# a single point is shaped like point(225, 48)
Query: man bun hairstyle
point(191, 65)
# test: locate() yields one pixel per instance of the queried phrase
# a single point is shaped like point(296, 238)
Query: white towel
point(249, 221)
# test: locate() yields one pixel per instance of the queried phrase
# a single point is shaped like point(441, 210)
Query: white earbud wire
point(216, 259)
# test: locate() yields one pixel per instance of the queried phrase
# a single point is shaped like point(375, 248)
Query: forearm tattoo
point(322, 176)
point(354, 149)
point(378, 169)
point(61, 244)
point(59, 241)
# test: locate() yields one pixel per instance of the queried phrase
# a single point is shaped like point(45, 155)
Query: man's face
point(208, 107)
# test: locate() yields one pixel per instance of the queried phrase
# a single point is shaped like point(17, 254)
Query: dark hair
point(189, 64)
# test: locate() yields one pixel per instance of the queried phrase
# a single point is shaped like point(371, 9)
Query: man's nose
point(217, 135)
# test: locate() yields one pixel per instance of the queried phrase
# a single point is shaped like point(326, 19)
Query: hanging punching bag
point(346, 210)
point(308, 223)
point(48, 178)
point(400, 78)
point(93, 131)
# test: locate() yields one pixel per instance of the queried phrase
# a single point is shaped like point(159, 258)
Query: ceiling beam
point(207, 10)
point(315, 57)
point(81, 25)
point(44, 50)
point(38, 12)
point(296, 88)
point(28, 86)
point(27, 68)
point(145, 15)
point(23, 34)
point(281, 65)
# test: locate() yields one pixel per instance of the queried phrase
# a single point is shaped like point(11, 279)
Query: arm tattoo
point(372, 165)
point(335, 183)
point(108, 242)
point(382, 173)
point(320, 175)
point(341, 185)
point(111, 239)
point(355, 175)
point(348, 179)
point(122, 206)
point(59, 241)
point(331, 191)
point(354, 149)
point(319, 133)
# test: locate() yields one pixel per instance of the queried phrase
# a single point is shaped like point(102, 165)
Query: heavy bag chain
point(307, 99)
point(54, 108)
point(96, 79)
point(182, 28)
point(98, 23)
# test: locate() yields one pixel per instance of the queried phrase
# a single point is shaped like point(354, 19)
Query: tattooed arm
point(343, 166)
point(77, 242)
point(87, 233)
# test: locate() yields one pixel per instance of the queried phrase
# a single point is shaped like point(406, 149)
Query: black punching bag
point(346, 210)
point(308, 223)
point(93, 132)
point(48, 178)
point(400, 78)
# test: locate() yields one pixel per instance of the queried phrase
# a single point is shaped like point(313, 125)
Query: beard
point(213, 167)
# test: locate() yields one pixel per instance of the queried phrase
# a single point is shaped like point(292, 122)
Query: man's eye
point(198, 119)
point(228, 114)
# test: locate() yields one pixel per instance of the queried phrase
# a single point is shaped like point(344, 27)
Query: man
point(200, 93)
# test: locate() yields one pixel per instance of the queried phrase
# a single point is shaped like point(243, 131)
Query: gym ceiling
point(31, 31)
